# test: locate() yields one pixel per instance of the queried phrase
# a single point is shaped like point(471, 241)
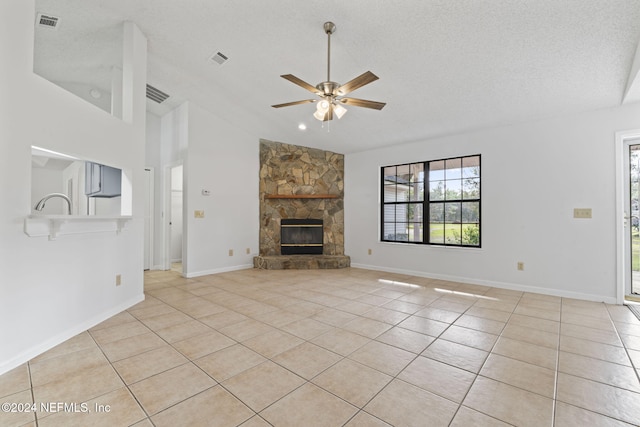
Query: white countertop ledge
point(54, 226)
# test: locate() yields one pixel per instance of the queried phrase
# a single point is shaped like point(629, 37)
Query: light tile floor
point(345, 347)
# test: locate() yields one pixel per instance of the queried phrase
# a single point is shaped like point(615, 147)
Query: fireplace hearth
point(301, 236)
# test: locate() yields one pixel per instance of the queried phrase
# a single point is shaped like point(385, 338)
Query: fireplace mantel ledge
point(301, 196)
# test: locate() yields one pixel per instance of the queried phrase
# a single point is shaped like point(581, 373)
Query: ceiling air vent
point(219, 58)
point(156, 94)
point(47, 21)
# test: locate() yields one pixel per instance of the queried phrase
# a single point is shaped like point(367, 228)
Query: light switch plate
point(584, 213)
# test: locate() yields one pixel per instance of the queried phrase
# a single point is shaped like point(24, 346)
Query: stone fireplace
point(301, 184)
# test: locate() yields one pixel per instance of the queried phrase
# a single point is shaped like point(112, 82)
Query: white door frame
point(624, 139)
point(166, 229)
point(149, 200)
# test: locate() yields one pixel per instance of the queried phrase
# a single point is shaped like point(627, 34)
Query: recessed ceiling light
point(302, 126)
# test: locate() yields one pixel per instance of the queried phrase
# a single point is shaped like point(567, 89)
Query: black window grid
point(391, 182)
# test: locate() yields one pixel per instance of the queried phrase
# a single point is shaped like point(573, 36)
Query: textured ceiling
point(445, 66)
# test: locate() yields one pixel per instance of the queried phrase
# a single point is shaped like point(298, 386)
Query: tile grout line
point(615, 330)
point(189, 361)
point(148, 417)
point(33, 397)
point(139, 320)
point(237, 343)
point(417, 355)
point(436, 338)
point(489, 353)
point(635, 368)
point(309, 381)
point(158, 373)
point(360, 408)
point(556, 373)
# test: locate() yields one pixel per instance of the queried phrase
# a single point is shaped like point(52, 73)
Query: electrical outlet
point(230, 252)
point(520, 265)
point(369, 251)
point(198, 214)
point(248, 251)
point(584, 213)
point(118, 279)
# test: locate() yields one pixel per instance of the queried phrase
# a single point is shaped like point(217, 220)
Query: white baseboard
point(501, 285)
point(29, 354)
point(218, 270)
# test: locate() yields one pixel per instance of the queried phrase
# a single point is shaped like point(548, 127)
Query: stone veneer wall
point(293, 170)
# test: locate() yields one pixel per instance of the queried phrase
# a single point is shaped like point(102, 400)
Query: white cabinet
point(102, 181)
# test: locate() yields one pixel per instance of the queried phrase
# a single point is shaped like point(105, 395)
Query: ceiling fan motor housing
point(329, 27)
point(328, 88)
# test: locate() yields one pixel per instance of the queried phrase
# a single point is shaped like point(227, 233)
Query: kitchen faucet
point(40, 205)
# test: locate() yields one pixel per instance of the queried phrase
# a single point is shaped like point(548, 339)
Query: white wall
point(223, 159)
point(52, 290)
point(533, 176)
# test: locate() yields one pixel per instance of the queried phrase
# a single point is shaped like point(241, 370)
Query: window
point(434, 202)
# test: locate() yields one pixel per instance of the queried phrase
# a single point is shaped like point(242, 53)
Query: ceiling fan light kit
point(331, 93)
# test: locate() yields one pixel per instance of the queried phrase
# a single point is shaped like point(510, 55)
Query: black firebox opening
point(301, 237)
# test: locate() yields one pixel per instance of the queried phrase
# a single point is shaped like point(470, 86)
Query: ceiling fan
point(331, 93)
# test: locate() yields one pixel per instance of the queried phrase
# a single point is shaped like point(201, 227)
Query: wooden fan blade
point(358, 82)
point(293, 79)
point(288, 104)
point(363, 103)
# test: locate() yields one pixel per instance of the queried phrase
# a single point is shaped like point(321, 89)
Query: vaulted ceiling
point(445, 66)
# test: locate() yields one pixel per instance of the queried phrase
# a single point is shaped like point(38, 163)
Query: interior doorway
point(628, 215)
point(173, 258)
point(633, 217)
